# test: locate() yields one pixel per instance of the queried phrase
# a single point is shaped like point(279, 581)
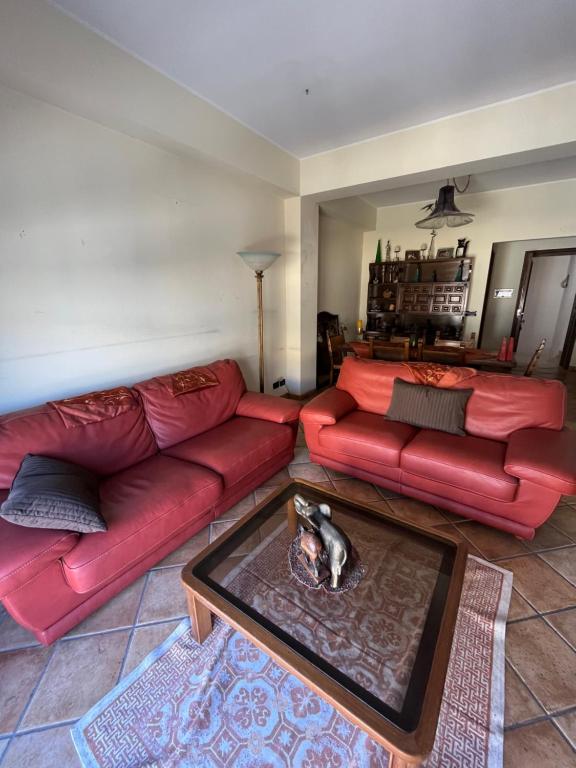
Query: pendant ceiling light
point(444, 211)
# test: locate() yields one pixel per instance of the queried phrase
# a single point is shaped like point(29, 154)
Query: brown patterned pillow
point(429, 407)
point(95, 406)
point(49, 493)
point(192, 380)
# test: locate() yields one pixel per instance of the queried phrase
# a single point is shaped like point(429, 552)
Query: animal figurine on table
point(312, 551)
point(335, 542)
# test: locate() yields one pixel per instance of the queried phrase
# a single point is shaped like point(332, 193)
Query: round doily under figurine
point(353, 573)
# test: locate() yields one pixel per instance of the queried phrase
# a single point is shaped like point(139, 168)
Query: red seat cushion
point(469, 463)
point(144, 506)
point(367, 436)
point(236, 448)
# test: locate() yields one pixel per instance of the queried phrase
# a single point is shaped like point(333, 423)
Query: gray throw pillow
point(429, 407)
point(50, 493)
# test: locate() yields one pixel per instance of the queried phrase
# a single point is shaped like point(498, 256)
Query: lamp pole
point(259, 276)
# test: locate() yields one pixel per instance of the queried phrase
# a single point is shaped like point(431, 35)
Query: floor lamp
point(259, 261)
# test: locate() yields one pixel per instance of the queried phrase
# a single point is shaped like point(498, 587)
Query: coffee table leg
point(200, 617)
point(292, 519)
point(398, 762)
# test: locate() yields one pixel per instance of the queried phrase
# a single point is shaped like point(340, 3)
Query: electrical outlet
point(282, 382)
point(276, 384)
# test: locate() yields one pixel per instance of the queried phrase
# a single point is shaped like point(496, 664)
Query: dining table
point(482, 359)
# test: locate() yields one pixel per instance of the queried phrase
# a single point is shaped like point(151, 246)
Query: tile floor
point(44, 690)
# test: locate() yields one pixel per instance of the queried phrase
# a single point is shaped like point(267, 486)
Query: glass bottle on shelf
point(460, 272)
point(378, 258)
point(418, 277)
point(388, 251)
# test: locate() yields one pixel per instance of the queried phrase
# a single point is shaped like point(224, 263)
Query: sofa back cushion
point(104, 432)
point(175, 415)
point(500, 404)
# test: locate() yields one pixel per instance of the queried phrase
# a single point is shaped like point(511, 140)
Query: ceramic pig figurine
point(336, 543)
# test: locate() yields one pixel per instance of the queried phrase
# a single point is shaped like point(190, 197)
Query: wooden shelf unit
point(396, 298)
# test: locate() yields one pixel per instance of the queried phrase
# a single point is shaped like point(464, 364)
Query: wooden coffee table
point(378, 653)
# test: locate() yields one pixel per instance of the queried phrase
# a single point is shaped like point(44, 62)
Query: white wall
point(118, 259)
point(533, 212)
point(506, 273)
point(339, 269)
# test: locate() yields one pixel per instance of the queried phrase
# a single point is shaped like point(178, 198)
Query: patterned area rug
point(226, 703)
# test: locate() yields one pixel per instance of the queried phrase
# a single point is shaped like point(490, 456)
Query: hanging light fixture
point(444, 212)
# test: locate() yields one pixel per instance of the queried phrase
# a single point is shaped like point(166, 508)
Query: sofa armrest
point(543, 457)
point(269, 408)
point(25, 552)
point(328, 407)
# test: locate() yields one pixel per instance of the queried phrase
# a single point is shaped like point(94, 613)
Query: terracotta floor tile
point(313, 473)
point(416, 512)
point(3, 745)
point(280, 477)
point(163, 597)
point(19, 673)
point(564, 518)
point(520, 705)
point(218, 528)
point(357, 490)
point(334, 474)
point(540, 584)
point(239, 509)
point(12, 635)
point(188, 550)
point(567, 724)
point(80, 672)
point(519, 608)
point(536, 746)
point(547, 537)
point(544, 662)
point(144, 640)
point(301, 455)
point(565, 623)
point(52, 748)
point(300, 440)
point(563, 561)
point(118, 612)
point(492, 543)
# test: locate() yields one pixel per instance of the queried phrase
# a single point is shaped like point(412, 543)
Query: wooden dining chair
point(390, 350)
point(530, 368)
point(335, 344)
point(445, 355)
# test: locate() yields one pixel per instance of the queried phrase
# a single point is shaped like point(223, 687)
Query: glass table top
point(377, 639)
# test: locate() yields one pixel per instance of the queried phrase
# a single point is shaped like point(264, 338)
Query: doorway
point(546, 307)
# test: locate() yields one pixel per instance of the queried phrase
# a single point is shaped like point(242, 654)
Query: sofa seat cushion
point(237, 447)
point(469, 463)
point(367, 436)
point(143, 506)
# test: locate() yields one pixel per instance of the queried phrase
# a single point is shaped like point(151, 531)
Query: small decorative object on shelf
point(397, 250)
point(503, 349)
point(359, 327)
point(445, 253)
point(423, 249)
point(378, 258)
point(412, 256)
point(432, 247)
point(462, 248)
point(388, 251)
point(510, 349)
point(460, 272)
point(321, 552)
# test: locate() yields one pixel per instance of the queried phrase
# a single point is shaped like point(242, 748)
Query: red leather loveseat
point(508, 471)
point(171, 458)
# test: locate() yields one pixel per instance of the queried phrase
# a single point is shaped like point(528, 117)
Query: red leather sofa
point(508, 471)
point(170, 464)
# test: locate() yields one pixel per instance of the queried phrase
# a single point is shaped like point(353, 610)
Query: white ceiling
point(505, 178)
point(372, 66)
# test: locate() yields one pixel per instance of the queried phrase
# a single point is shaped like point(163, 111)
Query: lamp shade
point(445, 212)
point(258, 260)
